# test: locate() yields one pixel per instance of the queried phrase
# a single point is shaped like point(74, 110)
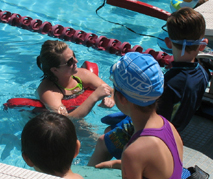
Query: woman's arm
point(91, 80)
point(52, 100)
point(51, 97)
point(101, 92)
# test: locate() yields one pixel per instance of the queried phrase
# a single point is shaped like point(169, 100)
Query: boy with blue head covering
point(156, 145)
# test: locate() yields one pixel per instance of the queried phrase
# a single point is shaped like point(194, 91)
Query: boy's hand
point(115, 164)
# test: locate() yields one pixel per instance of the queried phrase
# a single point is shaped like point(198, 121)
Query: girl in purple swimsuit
point(155, 150)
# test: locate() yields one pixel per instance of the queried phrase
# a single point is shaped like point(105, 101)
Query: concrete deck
point(206, 10)
point(198, 144)
point(11, 172)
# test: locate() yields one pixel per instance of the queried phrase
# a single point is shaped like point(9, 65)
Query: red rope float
point(141, 7)
point(112, 46)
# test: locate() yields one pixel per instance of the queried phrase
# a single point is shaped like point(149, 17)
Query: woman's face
point(68, 61)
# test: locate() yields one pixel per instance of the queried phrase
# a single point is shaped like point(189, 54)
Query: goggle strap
point(188, 43)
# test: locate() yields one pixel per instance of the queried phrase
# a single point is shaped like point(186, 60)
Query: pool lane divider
point(112, 46)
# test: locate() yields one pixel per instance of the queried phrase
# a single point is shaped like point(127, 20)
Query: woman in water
point(63, 80)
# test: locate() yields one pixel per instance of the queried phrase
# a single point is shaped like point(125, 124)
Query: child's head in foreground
point(139, 78)
point(186, 29)
point(49, 143)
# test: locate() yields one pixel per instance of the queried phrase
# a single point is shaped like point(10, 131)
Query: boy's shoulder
point(189, 75)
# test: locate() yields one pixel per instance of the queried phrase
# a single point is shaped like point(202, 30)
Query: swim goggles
point(70, 61)
point(188, 43)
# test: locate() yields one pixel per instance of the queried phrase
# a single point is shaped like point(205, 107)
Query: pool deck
point(198, 144)
point(206, 10)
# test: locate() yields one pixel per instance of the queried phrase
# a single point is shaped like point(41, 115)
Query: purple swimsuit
point(166, 135)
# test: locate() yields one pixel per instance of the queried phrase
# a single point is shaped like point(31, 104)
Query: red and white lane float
point(70, 104)
point(141, 7)
point(112, 46)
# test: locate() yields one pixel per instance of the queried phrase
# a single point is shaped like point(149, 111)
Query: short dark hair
point(49, 141)
point(50, 55)
point(145, 109)
point(186, 23)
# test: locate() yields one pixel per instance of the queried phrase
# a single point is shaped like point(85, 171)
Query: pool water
point(20, 76)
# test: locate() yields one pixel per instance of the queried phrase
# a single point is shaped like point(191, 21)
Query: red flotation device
point(141, 7)
point(70, 103)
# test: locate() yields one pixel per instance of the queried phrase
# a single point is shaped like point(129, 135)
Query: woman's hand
point(107, 102)
point(102, 91)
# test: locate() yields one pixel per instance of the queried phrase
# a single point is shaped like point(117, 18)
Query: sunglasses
point(70, 61)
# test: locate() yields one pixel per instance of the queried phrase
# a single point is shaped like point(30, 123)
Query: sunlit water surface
point(20, 76)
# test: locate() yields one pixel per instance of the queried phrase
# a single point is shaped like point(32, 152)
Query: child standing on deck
point(49, 144)
point(155, 149)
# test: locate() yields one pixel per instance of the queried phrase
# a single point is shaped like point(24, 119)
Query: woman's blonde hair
point(50, 56)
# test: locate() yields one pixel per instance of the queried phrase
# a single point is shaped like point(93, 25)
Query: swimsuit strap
point(79, 85)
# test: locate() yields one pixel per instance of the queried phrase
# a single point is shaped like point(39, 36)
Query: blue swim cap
point(138, 77)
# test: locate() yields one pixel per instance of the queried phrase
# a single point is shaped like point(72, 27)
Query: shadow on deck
point(198, 144)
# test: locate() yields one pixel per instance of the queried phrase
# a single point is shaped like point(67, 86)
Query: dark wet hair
point(186, 23)
point(50, 56)
point(49, 141)
point(145, 109)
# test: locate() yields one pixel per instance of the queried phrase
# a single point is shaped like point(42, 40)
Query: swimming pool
point(20, 76)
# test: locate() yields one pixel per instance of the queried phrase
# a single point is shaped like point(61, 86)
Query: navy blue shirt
point(185, 84)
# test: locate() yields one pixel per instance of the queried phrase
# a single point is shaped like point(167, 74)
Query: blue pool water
point(20, 76)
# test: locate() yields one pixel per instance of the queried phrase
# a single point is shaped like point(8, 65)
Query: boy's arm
point(166, 103)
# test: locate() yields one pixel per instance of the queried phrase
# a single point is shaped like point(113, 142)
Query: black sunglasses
point(70, 61)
